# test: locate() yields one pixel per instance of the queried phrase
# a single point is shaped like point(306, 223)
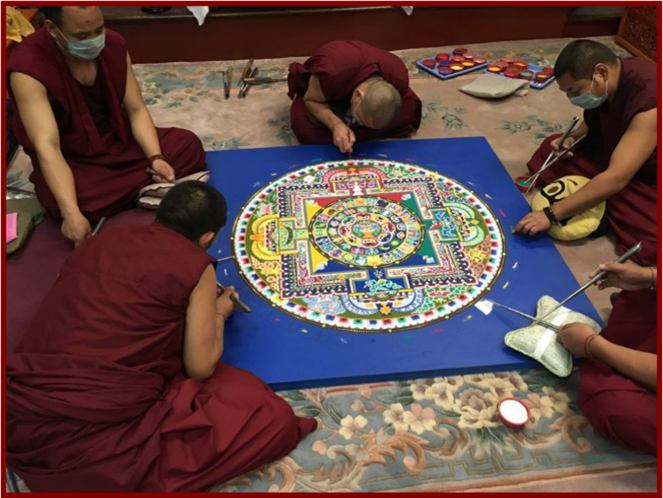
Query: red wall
point(223, 37)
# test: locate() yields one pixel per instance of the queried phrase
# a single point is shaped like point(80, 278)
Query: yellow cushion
point(578, 226)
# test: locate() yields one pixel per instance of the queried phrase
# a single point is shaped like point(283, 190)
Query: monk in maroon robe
point(117, 384)
point(619, 152)
point(618, 381)
point(349, 91)
point(81, 119)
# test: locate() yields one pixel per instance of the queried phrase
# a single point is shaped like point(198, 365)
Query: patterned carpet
point(434, 434)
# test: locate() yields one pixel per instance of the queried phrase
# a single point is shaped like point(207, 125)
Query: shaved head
point(380, 104)
point(79, 22)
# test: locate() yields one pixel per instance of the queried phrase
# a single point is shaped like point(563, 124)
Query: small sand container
point(523, 183)
point(513, 412)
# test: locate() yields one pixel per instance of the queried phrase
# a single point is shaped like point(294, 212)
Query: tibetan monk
point(82, 120)
point(117, 384)
point(351, 91)
point(619, 375)
point(619, 96)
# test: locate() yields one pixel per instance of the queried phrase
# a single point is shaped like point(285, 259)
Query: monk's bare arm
point(637, 365)
point(203, 335)
point(316, 103)
point(39, 122)
point(142, 126)
point(633, 149)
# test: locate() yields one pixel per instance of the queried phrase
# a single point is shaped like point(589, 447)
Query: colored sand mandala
point(368, 246)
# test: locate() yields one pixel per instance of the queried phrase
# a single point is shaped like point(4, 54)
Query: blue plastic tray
point(434, 72)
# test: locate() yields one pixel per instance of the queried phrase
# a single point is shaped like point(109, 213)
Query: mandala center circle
point(367, 231)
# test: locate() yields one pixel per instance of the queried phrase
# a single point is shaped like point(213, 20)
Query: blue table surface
point(288, 353)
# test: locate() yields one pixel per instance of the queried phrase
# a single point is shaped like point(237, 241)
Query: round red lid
point(431, 63)
point(513, 412)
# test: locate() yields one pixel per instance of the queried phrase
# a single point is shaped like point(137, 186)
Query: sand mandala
point(368, 246)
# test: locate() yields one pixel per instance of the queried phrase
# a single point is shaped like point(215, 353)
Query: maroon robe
point(617, 407)
point(108, 168)
point(96, 397)
point(342, 65)
point(632, 213)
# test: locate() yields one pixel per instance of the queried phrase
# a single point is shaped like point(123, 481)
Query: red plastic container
point(521, 64)
point(460, 50)
point(548, 70)
point(511, 73)
point(508, 60)
point(480, 60)
point(430, 63)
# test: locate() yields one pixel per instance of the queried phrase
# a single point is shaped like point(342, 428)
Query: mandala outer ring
point(429, 318)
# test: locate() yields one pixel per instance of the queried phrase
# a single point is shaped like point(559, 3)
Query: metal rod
point(245, 87)
point(220, 260)
point(560, 142)
point(246, 73)
point(529, 317)
point(624, 257)
point(263, 81)
point(101, 223)
point(226, 89)
point(236, 301)
point(536, 175)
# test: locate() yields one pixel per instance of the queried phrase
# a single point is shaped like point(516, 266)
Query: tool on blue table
point(600, 275)
point(236, 301)
point(529, 317)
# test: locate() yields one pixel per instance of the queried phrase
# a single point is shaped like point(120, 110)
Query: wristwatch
point(550, 215)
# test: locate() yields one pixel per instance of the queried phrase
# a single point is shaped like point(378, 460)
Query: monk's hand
point(224, 304)
point(627, 276)
point(573, 336)
point(164, 172)
point(344, 137)
point(533, 223)
point(567, 143)
point(76, 228)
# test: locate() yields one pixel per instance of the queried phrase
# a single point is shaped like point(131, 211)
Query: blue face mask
point(86, 49)
point(357, 121)
point(588, 100)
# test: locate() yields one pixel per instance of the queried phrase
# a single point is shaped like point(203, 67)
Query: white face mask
point(85, 49)
point(588, 100)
